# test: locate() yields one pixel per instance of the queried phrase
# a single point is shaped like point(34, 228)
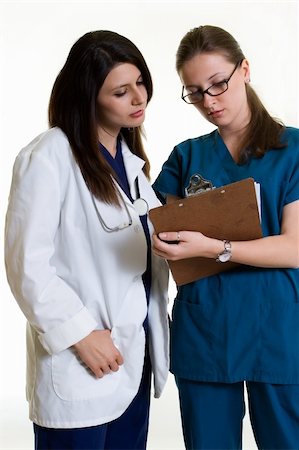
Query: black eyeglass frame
point(206, 91)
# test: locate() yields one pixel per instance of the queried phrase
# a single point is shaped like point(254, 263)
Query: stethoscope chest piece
point(141, 206)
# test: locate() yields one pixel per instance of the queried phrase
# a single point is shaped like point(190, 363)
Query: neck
point(108, 139)
point(232, 142)
point(230, 134)
point(233, 136)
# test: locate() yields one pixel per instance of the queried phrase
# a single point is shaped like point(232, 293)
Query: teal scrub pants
point(212, 415)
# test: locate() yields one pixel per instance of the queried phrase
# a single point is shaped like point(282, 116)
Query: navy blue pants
point(212, 415)
point(128, 432)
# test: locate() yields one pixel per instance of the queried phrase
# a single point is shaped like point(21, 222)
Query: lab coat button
point(137, 228)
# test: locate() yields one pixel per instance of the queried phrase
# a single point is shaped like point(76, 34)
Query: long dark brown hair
point(263, 131)
point(72, 105)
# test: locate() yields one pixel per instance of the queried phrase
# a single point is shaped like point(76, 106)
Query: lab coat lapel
point(133, 165)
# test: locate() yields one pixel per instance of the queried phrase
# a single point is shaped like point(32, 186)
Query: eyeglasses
point(213, 91)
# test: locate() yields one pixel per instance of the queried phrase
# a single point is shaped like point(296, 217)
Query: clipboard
point(229, 212)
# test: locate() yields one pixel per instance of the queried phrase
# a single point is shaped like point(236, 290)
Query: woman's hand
point(99, 353)
point(185, 244)
point(276, 251)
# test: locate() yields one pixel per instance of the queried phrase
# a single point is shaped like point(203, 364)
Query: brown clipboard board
point(228, 212)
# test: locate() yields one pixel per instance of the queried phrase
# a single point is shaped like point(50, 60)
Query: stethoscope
point(140, 205)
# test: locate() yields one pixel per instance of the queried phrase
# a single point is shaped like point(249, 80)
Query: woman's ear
point(246, 70)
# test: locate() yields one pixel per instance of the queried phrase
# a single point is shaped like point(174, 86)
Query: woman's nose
point(208, 100)
point(139, 96)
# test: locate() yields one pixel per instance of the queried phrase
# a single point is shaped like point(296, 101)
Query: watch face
point(225, 256)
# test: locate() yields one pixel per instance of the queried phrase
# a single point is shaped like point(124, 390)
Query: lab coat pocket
point(72, 380)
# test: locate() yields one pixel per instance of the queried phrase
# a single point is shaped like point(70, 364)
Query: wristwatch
point(226, 254)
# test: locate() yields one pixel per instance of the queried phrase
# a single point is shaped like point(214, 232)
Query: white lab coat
point(70, 277)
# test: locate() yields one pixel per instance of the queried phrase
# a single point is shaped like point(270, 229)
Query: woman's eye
point(195, 91)
point(220, 83)
point(120, 94)
point(140, 82)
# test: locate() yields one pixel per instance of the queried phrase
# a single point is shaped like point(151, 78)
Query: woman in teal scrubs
point(240, 327)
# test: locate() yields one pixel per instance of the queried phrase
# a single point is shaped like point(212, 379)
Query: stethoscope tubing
point(140, 205)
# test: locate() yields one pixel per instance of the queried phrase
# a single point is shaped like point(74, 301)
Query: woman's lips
point(215, 114)
point(137, 114)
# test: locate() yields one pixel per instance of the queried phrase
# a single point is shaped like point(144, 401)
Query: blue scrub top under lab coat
point(241, 324)
point(118, 166)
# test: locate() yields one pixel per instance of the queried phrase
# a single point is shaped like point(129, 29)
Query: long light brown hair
point(263, 131)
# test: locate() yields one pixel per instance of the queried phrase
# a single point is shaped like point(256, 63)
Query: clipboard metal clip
point(198, 185)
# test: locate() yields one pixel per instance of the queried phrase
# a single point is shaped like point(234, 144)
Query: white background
point(35, 38)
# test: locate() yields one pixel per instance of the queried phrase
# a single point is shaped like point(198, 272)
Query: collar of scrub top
point(118, 165)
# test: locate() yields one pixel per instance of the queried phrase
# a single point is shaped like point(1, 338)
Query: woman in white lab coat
point(78, 255)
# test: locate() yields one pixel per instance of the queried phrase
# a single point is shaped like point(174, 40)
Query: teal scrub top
point(241, 324)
